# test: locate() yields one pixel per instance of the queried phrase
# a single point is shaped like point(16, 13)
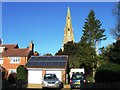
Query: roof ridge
point(9, 44)
point(22, 48)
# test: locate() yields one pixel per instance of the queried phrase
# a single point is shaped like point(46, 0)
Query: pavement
point(40, 86)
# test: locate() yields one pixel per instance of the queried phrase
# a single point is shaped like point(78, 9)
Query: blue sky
point(44, 22)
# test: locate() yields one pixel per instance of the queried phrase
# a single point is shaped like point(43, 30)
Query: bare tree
point(116, 30)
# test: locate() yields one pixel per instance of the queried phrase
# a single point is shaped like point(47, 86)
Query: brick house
point(13, 56)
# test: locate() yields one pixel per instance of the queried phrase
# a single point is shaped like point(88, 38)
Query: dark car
point(77, 80)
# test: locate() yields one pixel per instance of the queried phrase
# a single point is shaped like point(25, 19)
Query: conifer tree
point(92, 31)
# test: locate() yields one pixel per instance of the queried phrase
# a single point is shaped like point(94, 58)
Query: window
point(50, 76)
point(14, 59)
point(1, 60)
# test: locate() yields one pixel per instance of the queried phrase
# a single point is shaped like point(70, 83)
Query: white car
point(51, 81)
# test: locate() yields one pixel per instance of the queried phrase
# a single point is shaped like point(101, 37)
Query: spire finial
point(68, 11)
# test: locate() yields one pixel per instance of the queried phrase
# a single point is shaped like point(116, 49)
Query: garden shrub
point(108, 72)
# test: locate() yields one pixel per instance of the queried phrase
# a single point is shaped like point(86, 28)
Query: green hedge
point(108, 72)
point(22, 73)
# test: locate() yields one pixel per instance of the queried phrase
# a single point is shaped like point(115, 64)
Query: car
point(51, 81)
point(77, 80)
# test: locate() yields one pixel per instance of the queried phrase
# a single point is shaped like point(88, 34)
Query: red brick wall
point(8, 65)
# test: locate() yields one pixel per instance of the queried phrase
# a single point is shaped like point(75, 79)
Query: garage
point(38, 66)
point(34, 76)
point(58, 73)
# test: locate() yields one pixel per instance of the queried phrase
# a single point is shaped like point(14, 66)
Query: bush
point(12, 78)
point(22, 73)
point(108, 72)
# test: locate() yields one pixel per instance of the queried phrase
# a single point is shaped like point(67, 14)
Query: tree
point(114, 55)
point(79, 54)
point(86, 56)
point(59, 52)
point(116, 12)
point(36, 53)
point(70, 49)
point(22, 73)
point(92, 31)
point(104, 56)
point(48, 54)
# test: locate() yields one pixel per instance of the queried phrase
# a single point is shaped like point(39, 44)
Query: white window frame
point(15, 60)
point(1, 60)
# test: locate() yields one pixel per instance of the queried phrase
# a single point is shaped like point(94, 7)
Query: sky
point(44, 23)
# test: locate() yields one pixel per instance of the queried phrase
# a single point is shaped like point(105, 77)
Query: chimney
point(31, 47)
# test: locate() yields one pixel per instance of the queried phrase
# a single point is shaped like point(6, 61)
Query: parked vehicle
point(76, 70)
point(77, 80)
point(51, 81)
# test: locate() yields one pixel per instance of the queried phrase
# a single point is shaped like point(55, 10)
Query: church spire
point(68, 30)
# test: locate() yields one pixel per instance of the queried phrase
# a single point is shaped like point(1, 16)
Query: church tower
point(68, 30)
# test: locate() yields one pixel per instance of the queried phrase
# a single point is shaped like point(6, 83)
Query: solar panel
point(29, 64)
point(63, 58)
point(41, 63)
point(37, 60)
point(51, 59)
point(61, 63)
point(47, 61)
point(35, 63)
point(54, 63)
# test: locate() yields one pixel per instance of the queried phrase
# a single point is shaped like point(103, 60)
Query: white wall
point(34, 76)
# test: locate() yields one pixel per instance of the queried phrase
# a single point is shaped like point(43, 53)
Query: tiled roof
point(16, 52)
point(12, 50)
point(10, 46)
point(48, 62)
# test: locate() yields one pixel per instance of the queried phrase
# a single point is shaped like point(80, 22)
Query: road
point(89, 86)
point(13, 87)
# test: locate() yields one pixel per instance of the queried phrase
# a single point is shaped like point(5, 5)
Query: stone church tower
point(68, 30)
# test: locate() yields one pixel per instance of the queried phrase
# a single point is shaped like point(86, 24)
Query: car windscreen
point(50, 76)
point(77, 76)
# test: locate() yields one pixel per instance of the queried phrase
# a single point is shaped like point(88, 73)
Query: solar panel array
point(47, 61)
